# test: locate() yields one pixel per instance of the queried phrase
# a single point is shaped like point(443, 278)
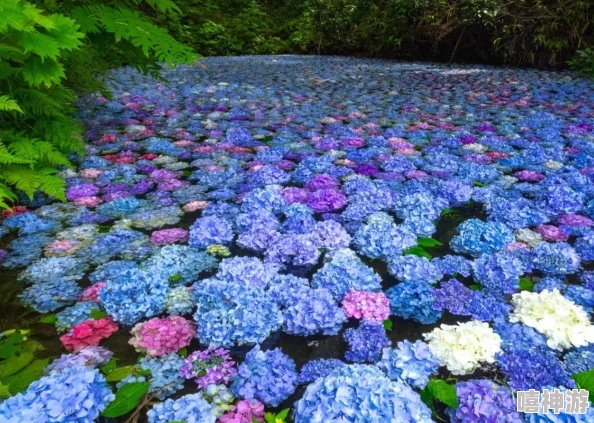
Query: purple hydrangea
point(210, 230)
point(366, 342)
point(209, 367)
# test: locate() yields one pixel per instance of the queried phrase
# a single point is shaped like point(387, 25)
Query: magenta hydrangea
point(373, 306)
point(169, 236)
point(160, 336)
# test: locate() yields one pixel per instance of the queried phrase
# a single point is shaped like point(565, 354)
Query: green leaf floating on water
point(111, 364)
point(526, 285)
point(585, 380)
point(428, 242)
point(119, 373)
point(50, 319)
point(417, 251)
point(14, 363)
point(388, 324)
point(97, 314)
point(21, 380)
point(126, 399)
point(476, 287)
point(443, 392)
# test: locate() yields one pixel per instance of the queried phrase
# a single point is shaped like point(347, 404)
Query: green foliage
point(47, 51)
point(388, 324)
point(585, 380)
point(19, 366)
point(526, 285)
point(583, 63)
point(126, 399)
point(440, 390)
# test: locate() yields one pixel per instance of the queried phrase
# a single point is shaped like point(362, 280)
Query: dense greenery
point(52, 50)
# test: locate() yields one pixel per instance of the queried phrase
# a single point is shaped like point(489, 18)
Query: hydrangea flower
point(91, 356)
point(48, 296)
point(373, 306)
point(267, 376)
point(381, 238)
point(179, 301)
point(345, 272)
point(414, 300)
point(74, 315)
point(245, 411)
point(313, 311)
point(315, 369)
point(366, 342)
point(499, 273)
point(208, 367)
point(564, 323)
point(463, 347)
point(555, 259)
point(160, 336)
point(248, 271)
point(210, 230)
point(362, 393)
point(191, 407)
point(475, 237)
point(414, 268)
point(75, 395)
point(180, 263)
point(87, 333)
point(483, 401)
point(411, 363)
point(579, 360)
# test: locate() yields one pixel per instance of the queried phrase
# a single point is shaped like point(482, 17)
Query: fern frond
point(48, 154)
point(47, 72)
point(6, 195)
point(7, 158)
point(8, 104)
point(22, 178)
point(38, 104)
point(25, 148)
point(165, 6)
point(52, 185)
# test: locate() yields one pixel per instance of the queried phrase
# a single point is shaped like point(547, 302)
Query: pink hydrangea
point(89, 332)
point(90, 173)
point(61, 248)
point(366, 305)
point(245, 411)
point(193, 206)
point(551, 233)
point(169, 236)
point(90, 201)
point(92, 292)
point(160, 336)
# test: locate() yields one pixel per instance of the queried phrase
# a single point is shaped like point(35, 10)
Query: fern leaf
point(6, 157)
point(66, 32)
point(165, 6)
point(8, 104)
point(22, 178)
point(40, 44)
point(47, 72)
point(51, 184)
point(37, 103)
point(25, 148)
point(6, 195)
point(49, 155)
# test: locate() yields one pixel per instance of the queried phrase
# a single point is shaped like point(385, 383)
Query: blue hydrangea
point(452, 265)
point(414, 268)
point(180, 262)
point(164, 379)
point(191, 407)
point(555, 258)
point(25, 250)
point(48, 296)
point(366, 342)
point(294, 250)
point(28, 224)
point(134, 295)
point(111, 270)
point(360, 394)
point(584, 246)
point(89, 356)
point(229, 314)
point(246, 271)
point(410, 363)
point(259, 240)
point(263, 199)
point(52, 268)
point(331, 235)
point(419, 204)
point(414, 300)
point(475, 237)
point(455, 192)
point(120, 207)
point(382, 238)
point(257, 220)
point(346, 272)
point(286, 287)
point(485, 306)
point(516, 213)
point(580, 295)
point(311, 312)
point(210, 230)
point(499, 272)
point(119, 242)
point(75, 395)
point(579, 360)
point(267, 376)
point(562, 417)
point(549, 283)
point(298, 219)
point(315, 369)
point(560, 199)
point(74, 315)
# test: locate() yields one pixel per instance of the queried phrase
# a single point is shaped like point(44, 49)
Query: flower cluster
point(208, 367)
point(245, 411)
point(87, 333)
point(192, 407)
point(411, 363)
point(366, 342)
point(160, 336)
point(373, 306)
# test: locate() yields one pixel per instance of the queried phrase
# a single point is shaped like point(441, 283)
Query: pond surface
point(254, 155)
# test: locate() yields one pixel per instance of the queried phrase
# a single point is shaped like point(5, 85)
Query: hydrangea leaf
point(388, 324)
point(126, 399)
point(21, 380)
point(50, 319)
point(11, 344)
point(97, 314)
point(111, 364)
point(585, 380)
point(428, 242)
point(119, 373)
point(526, 285)
point(443, 392)
point(14, 363)
point(418, 251)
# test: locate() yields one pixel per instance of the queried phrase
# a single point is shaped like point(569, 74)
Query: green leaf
point(111, 364)
point(267, 138)
point(417, 251)
point(32, 346)
point(183, 352)
point(175, 277)
point(126, 399)
point(428, 242)
point(388, 324)
point(21, 380)
point(40, 44)
point(476, 287)
point(50, 319)
point(283, 414)
point(585, 380)
point(97, 314)
point(4, 391)
point(14, 363)
point(8, 104)
point(11, 344)
point(443, 392)
point(478, 184)
point(445, 212)
point(119, 373)
point(526, 285)
point(427, 398)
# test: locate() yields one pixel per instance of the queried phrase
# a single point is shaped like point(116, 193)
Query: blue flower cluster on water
point(231, 314)
point(382, 238)
point(364, 394)
point(414, 268)
point(579, 360)
point(475, 237)
point(49, 296)
point(499, 273)
point(414, 300)
point(315, 369)
point(246, 271)
point(134, 295)
point(210, 230)
point(191, 407)
point(52, 268)
point(75, 395)
point(366, 342)
point(452, 265)
point(181, 262)
point(267, 376)
point(313, 311)
point(410, 362)
point(73, 315)
point(555, 258)
point(346, 272)
point(28, 224)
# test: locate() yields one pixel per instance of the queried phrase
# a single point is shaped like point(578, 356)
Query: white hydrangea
point(529, 237)
point(476, 147)
point(563, 322)
point(462, 347)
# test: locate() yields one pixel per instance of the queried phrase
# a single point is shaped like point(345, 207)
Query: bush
point(46, 57)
